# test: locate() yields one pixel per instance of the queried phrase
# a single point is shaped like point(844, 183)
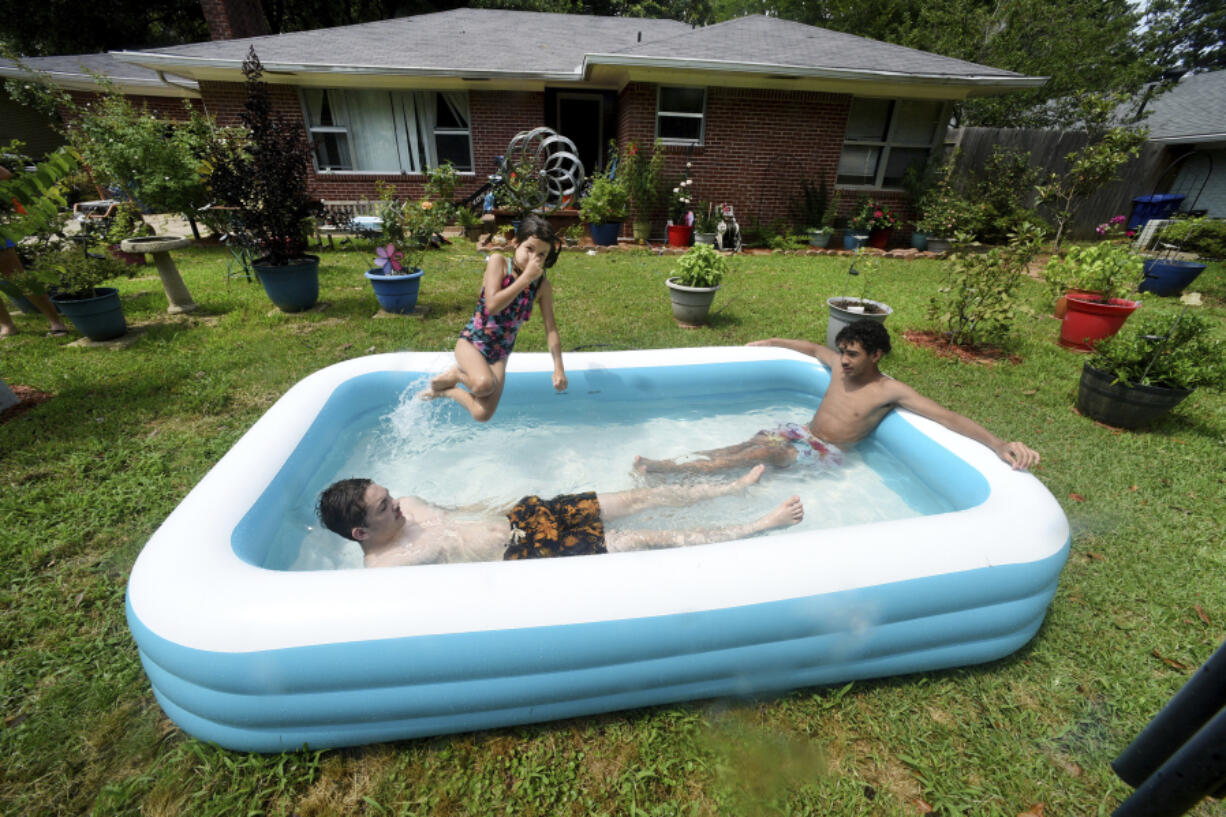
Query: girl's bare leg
point(625, 503)
point(788, 513)
point(482, 382)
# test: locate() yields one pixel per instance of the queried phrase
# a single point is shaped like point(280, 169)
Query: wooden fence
point(1048, 149)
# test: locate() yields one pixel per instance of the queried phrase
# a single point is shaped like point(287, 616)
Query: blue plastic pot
point(853, 241)
point(292, 287)
point(605, 235)
point(396, 293)
point(1165, 277)
point(919, 241)
point(97, 318)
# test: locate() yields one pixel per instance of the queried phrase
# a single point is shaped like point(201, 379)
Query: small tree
point(976, 304)
point(1094, 165)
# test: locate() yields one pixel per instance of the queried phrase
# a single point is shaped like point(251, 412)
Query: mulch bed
point(939, 343)
point(27, 398)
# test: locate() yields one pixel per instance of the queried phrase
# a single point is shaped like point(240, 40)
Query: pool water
point(557, 445)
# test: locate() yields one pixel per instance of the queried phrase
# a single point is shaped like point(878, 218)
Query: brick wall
point(758, 147)
point(163, 107)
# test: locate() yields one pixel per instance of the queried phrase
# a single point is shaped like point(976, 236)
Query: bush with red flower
point(872, 216)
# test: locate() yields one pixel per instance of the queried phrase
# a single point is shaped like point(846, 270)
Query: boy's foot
point(643, 465)
point(789, 513)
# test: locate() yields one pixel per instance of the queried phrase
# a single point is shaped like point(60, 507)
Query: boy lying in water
point(411, 531)
point(858, 398)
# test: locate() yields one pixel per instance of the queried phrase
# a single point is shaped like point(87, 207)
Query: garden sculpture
point(727, 232)
point(551, 156)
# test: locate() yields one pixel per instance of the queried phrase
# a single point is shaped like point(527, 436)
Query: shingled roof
point(79, 71)
point(1192, 111)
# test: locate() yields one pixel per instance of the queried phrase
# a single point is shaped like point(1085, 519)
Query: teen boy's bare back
point(856, 401)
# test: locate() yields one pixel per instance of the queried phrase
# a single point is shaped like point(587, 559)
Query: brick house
point(758, 104)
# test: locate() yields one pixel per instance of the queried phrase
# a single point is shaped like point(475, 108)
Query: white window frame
point(701, 117)
point(938, 139)
point(430, 152)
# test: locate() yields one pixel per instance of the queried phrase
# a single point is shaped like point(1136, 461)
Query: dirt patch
point(27, 398)
point(939, 343)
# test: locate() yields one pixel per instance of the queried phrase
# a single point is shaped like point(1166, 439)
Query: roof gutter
point(76, 81)
point(1190, 138)
point(803, 72)
point(182, 66)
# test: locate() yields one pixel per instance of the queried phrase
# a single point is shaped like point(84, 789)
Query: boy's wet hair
point(342, 506)
point(534, 226)
point(871, 335)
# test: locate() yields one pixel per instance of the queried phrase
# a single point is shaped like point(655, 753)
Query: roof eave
point(131, 86)
point(982, 82)
point(1190, 138)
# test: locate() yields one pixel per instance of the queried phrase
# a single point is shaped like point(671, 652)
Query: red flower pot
point(680, 235)
point(880, 237)
point(1061, 307)
point(1087, 321)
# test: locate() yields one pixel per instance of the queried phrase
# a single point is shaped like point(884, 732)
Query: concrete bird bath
point(160, 246)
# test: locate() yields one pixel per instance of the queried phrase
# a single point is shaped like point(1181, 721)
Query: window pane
point(915, 123)
point(331, 151)
point(688, 128)
point(682, 100)
point(321, 108)
point(453, 147)
point(900, 159)
point(868, 120)
point(858, 165)
point(448, 116)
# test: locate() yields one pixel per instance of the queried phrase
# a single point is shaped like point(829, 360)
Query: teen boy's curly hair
point(871, 336)
point(342, 506)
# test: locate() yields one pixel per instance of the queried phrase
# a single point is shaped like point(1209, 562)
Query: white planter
point(841, 316)
point(690, 304)
point(938, 244)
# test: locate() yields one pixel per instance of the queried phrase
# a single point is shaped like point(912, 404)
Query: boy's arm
point(1016, 454)
point(552, 338)
point(806, 347)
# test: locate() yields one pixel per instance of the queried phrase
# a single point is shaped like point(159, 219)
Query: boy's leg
point(738, 456)
point(788, 513)
point(625, 503)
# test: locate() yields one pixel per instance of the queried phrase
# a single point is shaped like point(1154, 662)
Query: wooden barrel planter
point(1123, 405)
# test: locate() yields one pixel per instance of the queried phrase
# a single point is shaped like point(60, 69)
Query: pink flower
point(878, 214)
point(388, 258)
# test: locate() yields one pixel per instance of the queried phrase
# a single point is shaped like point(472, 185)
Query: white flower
point(689, 164)
point(676, 189)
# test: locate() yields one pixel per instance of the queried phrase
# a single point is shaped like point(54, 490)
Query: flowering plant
point(1114, 229)
point(681, 198)
point(643, 176)
point(872, 216)
point(409, 228)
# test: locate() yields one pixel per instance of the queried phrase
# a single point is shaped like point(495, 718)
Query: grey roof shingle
point(769, 40)
point(81, 66)
point(1196, 107)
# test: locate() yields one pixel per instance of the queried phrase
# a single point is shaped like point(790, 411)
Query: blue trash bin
point(1159, 205)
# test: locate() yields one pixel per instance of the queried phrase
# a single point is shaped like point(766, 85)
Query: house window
point(885, 137)
point(680, 113)
point(388, 131)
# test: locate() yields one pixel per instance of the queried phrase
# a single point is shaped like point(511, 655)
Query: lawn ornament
point(727, 232)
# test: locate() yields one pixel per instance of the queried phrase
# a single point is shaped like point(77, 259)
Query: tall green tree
point(1184, 35)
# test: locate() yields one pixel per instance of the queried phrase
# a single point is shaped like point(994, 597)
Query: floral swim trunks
point(567, 525)
point(810, 450)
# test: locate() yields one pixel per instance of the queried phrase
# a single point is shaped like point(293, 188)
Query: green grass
point(87, 477)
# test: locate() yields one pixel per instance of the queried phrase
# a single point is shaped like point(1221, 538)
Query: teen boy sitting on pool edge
point(411, 531)
point(858, 398)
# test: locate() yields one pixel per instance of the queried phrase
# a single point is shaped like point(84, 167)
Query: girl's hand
point(559, 381)
point(535, 268)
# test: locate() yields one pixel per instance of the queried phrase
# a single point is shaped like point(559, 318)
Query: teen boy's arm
point(828, 357)
point(1016, 454)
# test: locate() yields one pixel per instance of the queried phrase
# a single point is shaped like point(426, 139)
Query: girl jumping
point(509, 288)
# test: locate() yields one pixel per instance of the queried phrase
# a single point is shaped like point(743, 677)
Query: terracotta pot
point(879, 238)
point(1061, 307)
point(1087, 321)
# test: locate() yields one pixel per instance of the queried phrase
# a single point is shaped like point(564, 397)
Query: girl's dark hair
point(534, 226)
point(342, 506)
point(871, 336)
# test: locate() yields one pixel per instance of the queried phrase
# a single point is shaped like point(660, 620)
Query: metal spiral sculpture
point(557, 175)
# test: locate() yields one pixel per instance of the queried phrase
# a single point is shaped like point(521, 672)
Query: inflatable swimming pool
point(268, 660)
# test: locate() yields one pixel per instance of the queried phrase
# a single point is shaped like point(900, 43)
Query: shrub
point(1002, 190)
point(701, 266)
point(1205, 237)
point(1175, 350)
point(976, 304)
point(1110, 269)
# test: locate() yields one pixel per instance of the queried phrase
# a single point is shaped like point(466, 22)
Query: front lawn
point(86, 477)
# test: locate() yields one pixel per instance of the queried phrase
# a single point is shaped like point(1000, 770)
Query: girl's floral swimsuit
point(494, 335)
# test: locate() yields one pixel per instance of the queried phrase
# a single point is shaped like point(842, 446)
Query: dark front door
point(580, 118)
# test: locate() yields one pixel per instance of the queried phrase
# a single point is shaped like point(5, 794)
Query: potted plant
point(946, 213)
point(821, 235)
point(1094, 280)
point(1168, 275)
point(644, 179)
point(604, 208)
point(470, 222)
point(706, 223)
point(1140, 374)
point(572, 234)
point(266, 182)
point(680, 217)
point(408, 228)
point(699, 273)
point(856, 235)
point(876, 220)
point(847, 309)
point(74, 281)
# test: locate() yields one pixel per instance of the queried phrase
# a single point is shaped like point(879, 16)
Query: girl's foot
point(446, 380)
point(789, 513)
point(753, 475)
